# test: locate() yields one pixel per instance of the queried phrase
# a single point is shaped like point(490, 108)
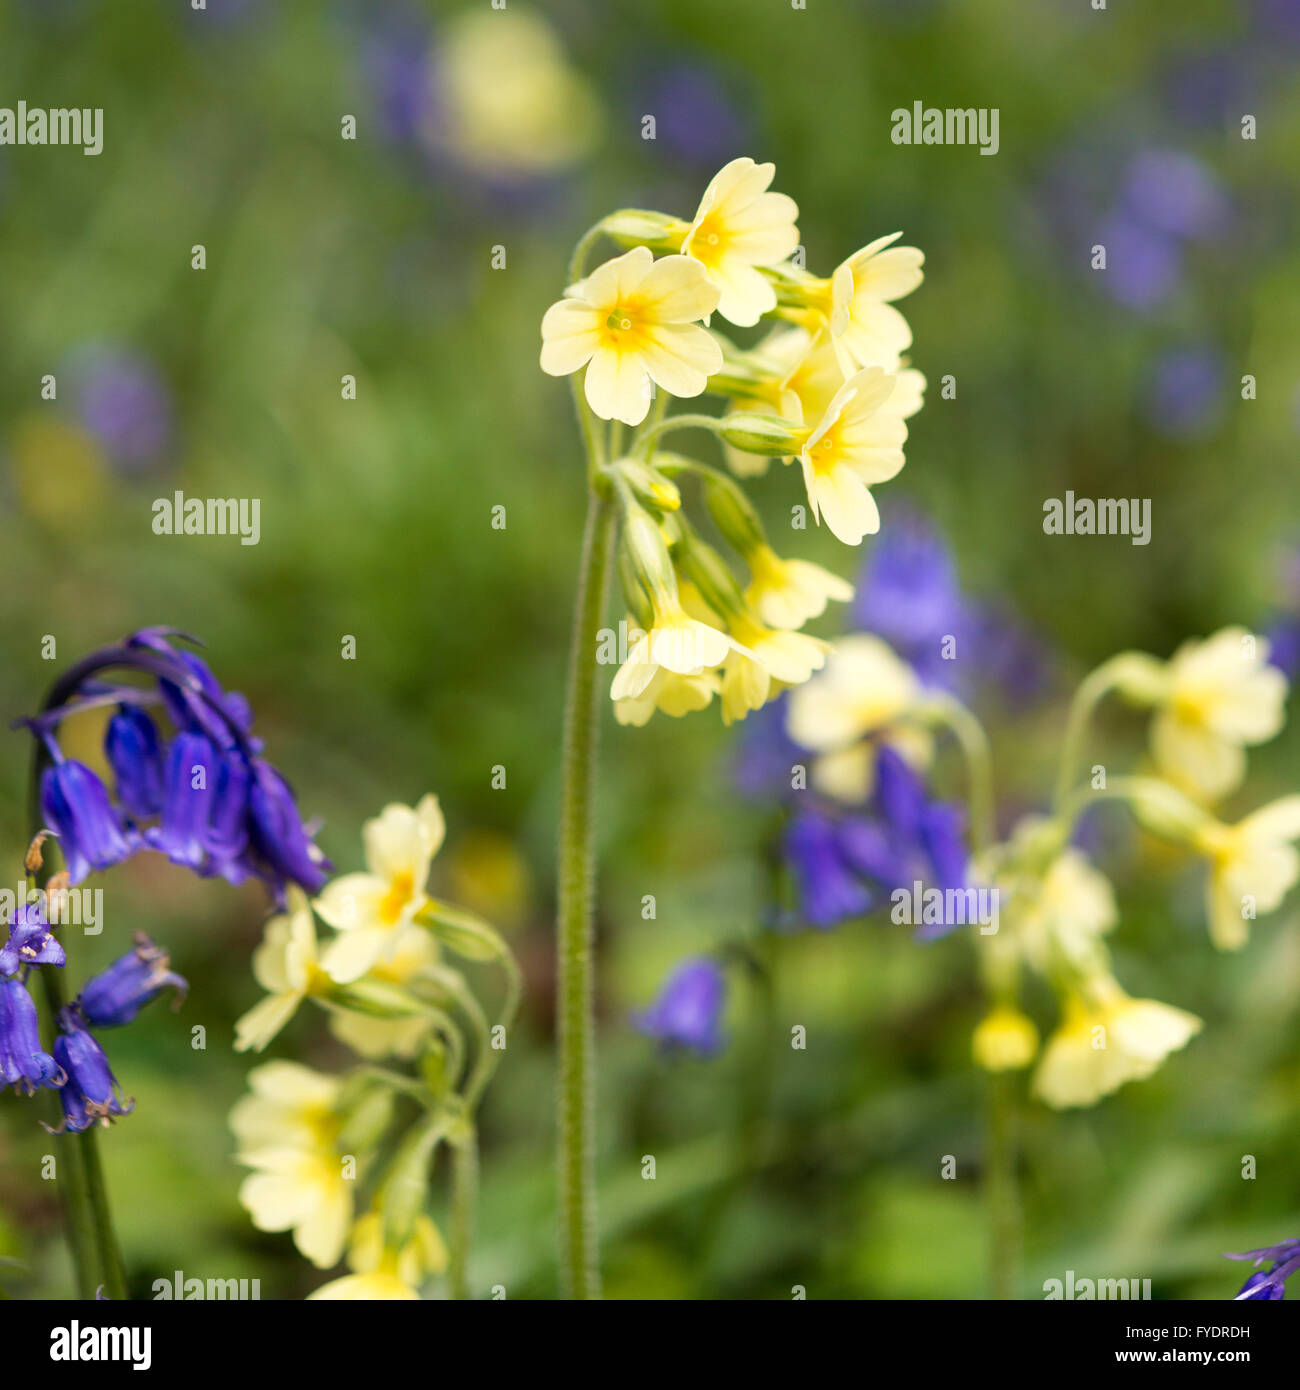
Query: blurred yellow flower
point(382, 1273)
point(286, 1131)
point(633, 320)
point(370, 909)
point(766, 655)
point(414, 952)
point(1253, 865)
point(509, 102)
point(857, 443)
point(286, 966)
point(1106, 1039)
point(738, 227)
point(787, 593)
point(1005, 1040)
point(864, 687)
point(1219, 696)
point(1061, 918)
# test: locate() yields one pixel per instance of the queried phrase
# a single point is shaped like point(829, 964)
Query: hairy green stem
point(80, 1176)
point(575, 1102)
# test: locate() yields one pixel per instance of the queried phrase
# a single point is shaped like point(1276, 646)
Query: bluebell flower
point(23, 1063)
point(30, 941)
point(134, 752)
point(219, 807)
point(116, 995)
point(76, 806)
point(767, 756)
point(688, 1010)
point(842, 861)
point(829, 888)
point(1284, 646)
point(1269, 1284)
point(696, 119)
point(90, 1093)
point(279, 834)
point(909, 594)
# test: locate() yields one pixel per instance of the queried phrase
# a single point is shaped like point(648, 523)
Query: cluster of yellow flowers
point(828, 385)
point(1210, 701)
point(312, 1139)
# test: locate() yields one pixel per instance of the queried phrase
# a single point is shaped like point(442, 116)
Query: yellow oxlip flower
point(738, 227)
point(286, 966)
point(382, 1273)
point(676, 643)
point(857, 442)
point(864, 687)
point(414, 953)
point(1106, 1039)
point(766, 655)
point(1255, 859)
point(670, 693)
point(1220, 696)
point(370, 909)
point(631, 321)
point(787, 593)
point(286, 1131)
point(866, 329)
point(1066, 913)
point(1005, 1040)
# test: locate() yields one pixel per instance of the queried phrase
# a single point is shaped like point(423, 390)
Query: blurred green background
point(373, 258)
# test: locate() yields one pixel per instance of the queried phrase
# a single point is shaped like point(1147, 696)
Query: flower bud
point(650, 486)
point(710, 574)
point(734, 516)
point(761, 434)
point(637, 227)
point(647, 554)
point(1139, 678)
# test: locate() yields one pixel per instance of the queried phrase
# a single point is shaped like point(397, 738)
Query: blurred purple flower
point(1143, 264)
point(688, 1010)
point(397, 63)
point(767, 754)
point(124, 402)
point(695, 120)
point(909, 594)
point(1279, 19)
point(1184, 392)
point(1175, 193)
point(829, 888)
point(1205, 88)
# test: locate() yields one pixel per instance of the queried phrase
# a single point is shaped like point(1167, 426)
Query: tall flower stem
point(1002, 1189)
point(575, 1101)
point(464, 1195)
point(80, 1176)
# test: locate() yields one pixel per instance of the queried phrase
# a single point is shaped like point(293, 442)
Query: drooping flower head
point(1269, 1285)
point(116, 995)
point(203, 795)
point(24, 1063)
point(90, 1095)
